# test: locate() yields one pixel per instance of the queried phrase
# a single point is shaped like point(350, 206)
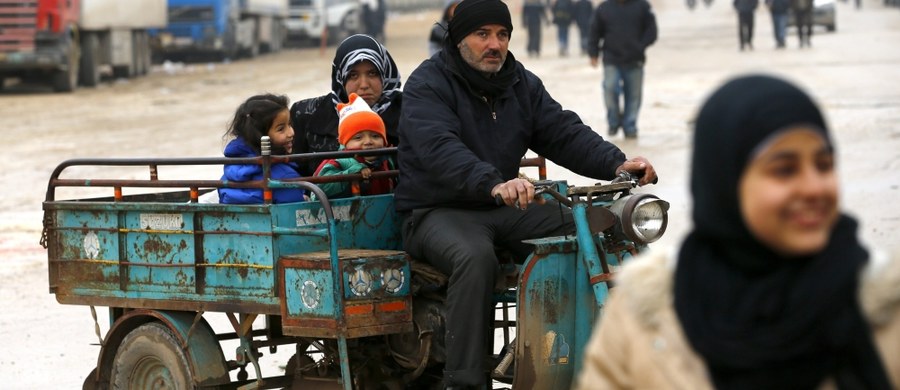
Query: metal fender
point(200, 345)
point(556, 312)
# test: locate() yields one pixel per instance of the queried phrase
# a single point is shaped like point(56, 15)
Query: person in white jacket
point(772, 288)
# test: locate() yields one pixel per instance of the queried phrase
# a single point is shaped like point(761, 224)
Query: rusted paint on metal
point(156, 246)
point(605, 277)
point(538, 300)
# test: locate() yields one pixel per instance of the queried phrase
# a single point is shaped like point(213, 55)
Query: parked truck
point(69, 43)
point(332, 20)
point(223, 28)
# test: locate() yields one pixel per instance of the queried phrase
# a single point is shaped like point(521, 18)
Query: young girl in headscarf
point(772, 288)
point(363, 66)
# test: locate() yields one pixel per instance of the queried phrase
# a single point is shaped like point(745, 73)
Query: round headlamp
point(642, 217)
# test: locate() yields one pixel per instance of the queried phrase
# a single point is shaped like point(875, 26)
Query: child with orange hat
point(359, 128)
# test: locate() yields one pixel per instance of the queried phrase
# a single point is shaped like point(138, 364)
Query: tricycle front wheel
point(150, 358)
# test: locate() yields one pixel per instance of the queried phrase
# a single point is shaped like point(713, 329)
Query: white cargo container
point(114, 35)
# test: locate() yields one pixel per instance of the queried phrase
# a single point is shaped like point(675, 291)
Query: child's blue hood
point(238, 148)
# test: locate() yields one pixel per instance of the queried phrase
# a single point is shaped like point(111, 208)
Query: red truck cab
point(39, 41)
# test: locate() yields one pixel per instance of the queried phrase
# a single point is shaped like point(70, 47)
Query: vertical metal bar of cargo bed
point(199, 260)
point(338, 296)
point(345, 361)
point(121, 237)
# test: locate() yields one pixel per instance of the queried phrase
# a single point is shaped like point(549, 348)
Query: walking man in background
point(779, 10)
point(622, 30)
point(584, 9)
point(562, 17)
point(802, 10)
point(745, 10)
point(534, 15)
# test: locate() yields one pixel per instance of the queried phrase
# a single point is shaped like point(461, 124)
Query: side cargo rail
point(170, 251)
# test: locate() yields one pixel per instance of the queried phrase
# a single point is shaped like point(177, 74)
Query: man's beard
point(475, 61)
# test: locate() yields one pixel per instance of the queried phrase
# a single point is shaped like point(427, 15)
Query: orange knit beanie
point(356, 116)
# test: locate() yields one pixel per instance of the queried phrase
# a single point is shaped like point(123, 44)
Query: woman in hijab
point(363, 66)
point(772, 288)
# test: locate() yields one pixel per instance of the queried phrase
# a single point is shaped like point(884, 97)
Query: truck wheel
point(89, 75)
point(137, 63)
point(147, 56)
point(229, 43)
point(151, 357)
point(253, 50)
point(278, 36)
point(67, 80)
point(140, 55)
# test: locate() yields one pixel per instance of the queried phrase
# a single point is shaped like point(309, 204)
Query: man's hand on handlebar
point(640, 167)
point(518, 193)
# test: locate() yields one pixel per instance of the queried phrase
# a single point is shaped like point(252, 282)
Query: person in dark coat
point(584, 9)
point(436, 38)
point(745, 10)
point(315, 120)
point(622, 30)
point(779, 10)
point(470, 114)
point(802, 10)
point(534, 15)
point(563, 13)
point(374, 17)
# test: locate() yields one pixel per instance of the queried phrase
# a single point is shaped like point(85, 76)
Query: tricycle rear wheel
point(150, 357)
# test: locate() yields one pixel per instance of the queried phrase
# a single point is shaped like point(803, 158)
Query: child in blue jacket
point(259, 115)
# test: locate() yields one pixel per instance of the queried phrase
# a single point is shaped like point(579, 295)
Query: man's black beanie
point(470, 15)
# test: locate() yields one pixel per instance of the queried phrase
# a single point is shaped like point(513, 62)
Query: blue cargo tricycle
point(328, 277)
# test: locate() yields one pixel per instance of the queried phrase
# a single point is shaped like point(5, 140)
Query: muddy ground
point(180, 110)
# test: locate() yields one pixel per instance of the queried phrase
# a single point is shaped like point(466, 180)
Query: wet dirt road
point(182, 111)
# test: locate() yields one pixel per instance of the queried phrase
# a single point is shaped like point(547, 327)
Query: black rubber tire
point(137, 54)
point(229, 43)
point(150, 357)
point(67, 80)
point(89, 72)
point(146, 53)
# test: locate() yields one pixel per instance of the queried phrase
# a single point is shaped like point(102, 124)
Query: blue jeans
point(562, 34)
point(627, 80)
point(779, 21)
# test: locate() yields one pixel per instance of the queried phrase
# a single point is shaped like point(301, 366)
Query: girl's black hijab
point(355, 49)
point(759, 320)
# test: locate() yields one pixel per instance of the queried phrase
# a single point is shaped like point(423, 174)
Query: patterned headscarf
point(358, 48)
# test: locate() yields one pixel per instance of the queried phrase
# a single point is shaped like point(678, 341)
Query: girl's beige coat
point(639, 343)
